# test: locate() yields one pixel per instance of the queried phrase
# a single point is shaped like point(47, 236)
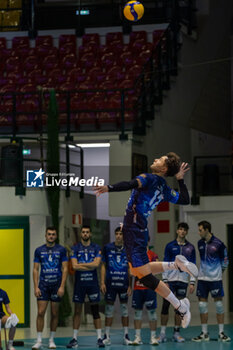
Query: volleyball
point(133, 10)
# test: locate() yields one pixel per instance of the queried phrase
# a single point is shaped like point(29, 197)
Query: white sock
point(163, 330)
point(152, 334)
point(138, 333)
point(221, 327)
point(204, 328)
point(174, 301)
point(75, 334)
point(171, 265)
point(98, 331)
point(10, 342)
point(39, 337)
point(126, 330)
point(52, 334)
point(107, 331)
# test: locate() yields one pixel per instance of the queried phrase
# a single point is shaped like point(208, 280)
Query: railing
point(15, 165)
point(211, 176)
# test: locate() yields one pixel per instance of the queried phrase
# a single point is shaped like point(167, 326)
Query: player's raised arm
point(183, 191)
point(118, 187)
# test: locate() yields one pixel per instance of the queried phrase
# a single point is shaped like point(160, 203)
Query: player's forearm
point(8, 309)
point(102, 274)
point(123, 186)
point(64, 275)
point(183, 193)
point(35, 278)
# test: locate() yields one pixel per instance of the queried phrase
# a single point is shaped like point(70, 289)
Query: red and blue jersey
point(144, 199)
point(116, 266)
point(214, 259)
point(50, 259)
point(85, 254)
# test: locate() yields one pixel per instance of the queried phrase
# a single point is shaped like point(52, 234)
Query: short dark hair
point(205, 224)
point(173, 163)
point(117, 229)
point(184, 225)
point(86, 226)
point(51, 228)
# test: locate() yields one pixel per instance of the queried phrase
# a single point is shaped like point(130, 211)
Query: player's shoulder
point(189, 244)
point(3, 293)
point(60, 247)
point(216, 240)
point(172, 243)
point(94, 245)
point(109, 246)
point(41, 248)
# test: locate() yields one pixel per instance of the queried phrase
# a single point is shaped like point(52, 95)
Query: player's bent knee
point(203, 307)
point(165, 307)
point(95, 311)
point(219, 307)
point(152, 315)
point(138, 315)
point(124, 310)
point(150, 281)
point(109, 310)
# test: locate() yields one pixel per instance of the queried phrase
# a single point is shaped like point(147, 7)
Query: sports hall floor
point(87, 339)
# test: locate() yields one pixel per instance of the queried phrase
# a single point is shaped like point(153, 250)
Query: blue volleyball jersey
point(116, 266)
point(143, 200)
point(4, 299)
point(51, 259)
point(86, 254)
point(214, 259)
point(173, 249)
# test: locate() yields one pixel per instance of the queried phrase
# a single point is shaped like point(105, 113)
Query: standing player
point(86, 257)
point(177, 280)
point(142, 295)
point(51, 260)
point(214, 260)
point(8, 321)
point(115, 280)
point(148, 191)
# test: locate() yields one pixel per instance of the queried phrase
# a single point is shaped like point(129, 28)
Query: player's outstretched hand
point(100, 189)
point(183, 169)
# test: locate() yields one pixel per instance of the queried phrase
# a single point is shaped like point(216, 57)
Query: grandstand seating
point(92, 66)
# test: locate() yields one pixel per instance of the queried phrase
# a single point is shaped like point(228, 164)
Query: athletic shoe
point(73, 344)
point(100, 343)
point(154, 341)
point(137, 341)
point(184, 265)
point(38, 345)
point(126, 340)
point(10, 347)
point(184, 312)
point(52, 345)
point(161, 338)
point(223, 337)
point(106, 340)
point(177, 338)
point(201, 337)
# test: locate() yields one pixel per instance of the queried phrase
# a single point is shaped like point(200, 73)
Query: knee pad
point(138, 315)
point(109, 310)
point(95, 311)
point(152, 315)
point(165, 307)
point(124, 310)
point(219, 307)
point(203, 307)
point(150, 281)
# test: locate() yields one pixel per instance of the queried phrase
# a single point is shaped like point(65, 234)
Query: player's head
point(204, 229)
point(51, 234)
point(182, 229)
point(85, 233)
point(118, 236)
point(167, 165)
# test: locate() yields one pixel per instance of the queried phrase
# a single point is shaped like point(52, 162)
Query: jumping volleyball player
point(148, 191)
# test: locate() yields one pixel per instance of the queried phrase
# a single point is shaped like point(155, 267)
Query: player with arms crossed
point(50, 285)
point(148, 191)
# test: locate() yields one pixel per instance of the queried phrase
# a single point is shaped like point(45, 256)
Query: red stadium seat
point(20, 41)
point(50, 62)
point(92, 47)
point(44, 40)
point(138, 35)
point(69, 62)
point(67, 49)
point(13, 64)
point(117, 36)
point(44, 51)
point(67, 38)
point(56, 76)
point(36, 77)
point(2, 43)
point(73, 74)
point(31, 63)
point(87, 38)
point(157, 34)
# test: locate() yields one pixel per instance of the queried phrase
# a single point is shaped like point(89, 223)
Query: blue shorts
point(49, 291)
point(144, 296)
point(215, 288)
point(93, 293)
point(178, 288)
point(135, 242)
point(111, 294)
